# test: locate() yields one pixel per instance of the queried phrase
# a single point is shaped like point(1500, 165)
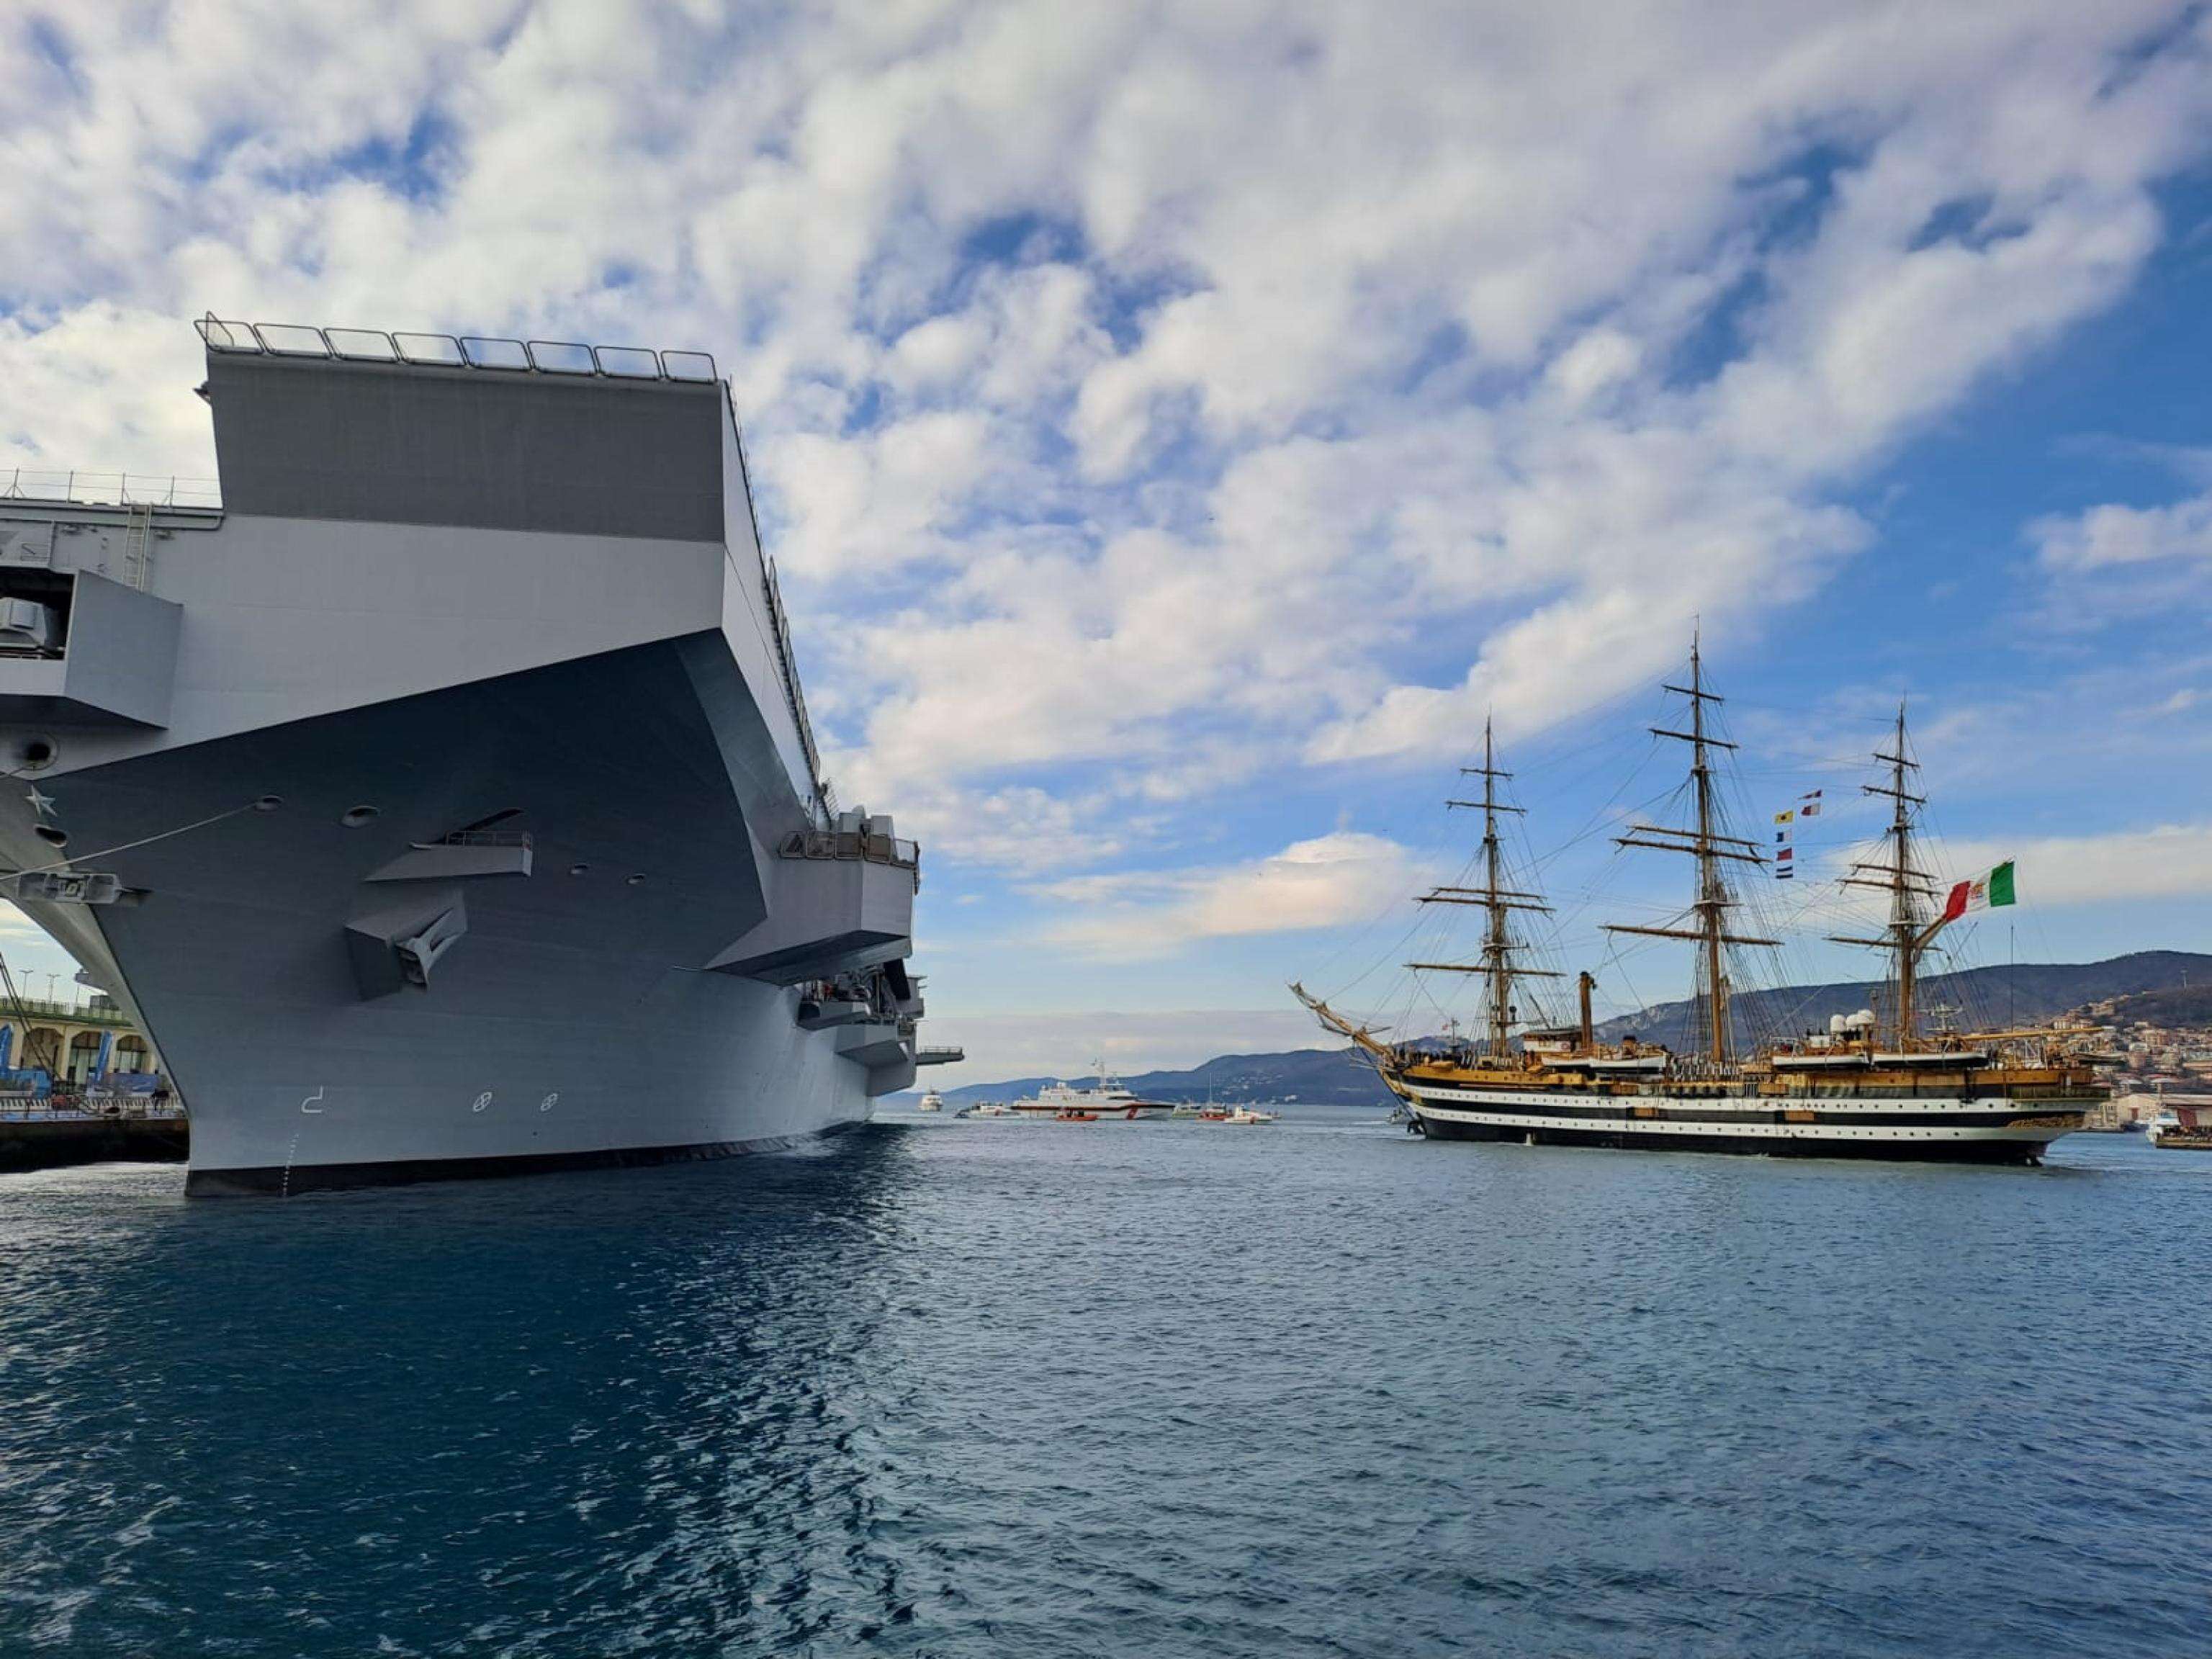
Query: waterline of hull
point(1915, 1131)
point(1951, 1152)
point(282, 1180)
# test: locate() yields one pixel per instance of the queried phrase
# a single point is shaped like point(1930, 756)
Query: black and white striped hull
point(1921, 1129)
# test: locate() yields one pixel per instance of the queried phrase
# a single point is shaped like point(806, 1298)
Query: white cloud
point(2104, 537)
point(1324, 881)
point(1346, 381)
point(2112, 562)
point(872, 502)
point(2171, 860)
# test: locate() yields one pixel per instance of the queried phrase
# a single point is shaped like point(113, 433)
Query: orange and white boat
point(1251, 1115)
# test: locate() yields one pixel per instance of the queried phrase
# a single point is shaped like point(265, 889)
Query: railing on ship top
point(780, 624)
point(493, 353)
point(79, 488)
point(55, 1008)
point(852, 844)
point(87, 1108)
point(780, 629)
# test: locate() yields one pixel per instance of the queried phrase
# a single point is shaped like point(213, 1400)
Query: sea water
point(1018, 1388)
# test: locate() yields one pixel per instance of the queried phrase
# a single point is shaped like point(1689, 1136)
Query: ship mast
point(1498, 966)
point(1710, 848)
point(1899, 875)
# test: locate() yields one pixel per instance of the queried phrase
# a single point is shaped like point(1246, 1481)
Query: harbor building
point(75, 1042)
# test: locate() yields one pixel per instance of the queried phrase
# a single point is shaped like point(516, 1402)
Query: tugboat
point(1872, 1087)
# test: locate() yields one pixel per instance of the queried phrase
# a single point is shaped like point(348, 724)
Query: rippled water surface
point(983, 1388)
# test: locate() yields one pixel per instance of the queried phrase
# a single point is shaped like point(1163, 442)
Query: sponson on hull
point(1872, 1087)
point(443, 801)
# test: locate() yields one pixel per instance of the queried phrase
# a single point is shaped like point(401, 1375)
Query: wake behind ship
point(444, 802)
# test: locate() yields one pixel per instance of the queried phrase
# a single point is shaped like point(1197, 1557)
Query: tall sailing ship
point(1871, 1086)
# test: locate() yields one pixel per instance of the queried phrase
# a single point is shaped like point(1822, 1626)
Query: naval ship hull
point(564, 908)
point(572, 1026)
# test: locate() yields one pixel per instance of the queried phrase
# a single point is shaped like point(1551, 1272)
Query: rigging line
point(15, 1006)
point(1556, 785)
point(143, 840)
point(1366, 930)
point(1596, 717)
point(1599, 821)
point(1396, 952)
point(1616, 961)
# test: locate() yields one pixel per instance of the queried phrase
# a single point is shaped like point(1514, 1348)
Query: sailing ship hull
point(1940, 1129)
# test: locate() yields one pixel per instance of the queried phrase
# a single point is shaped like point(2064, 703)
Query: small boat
point(988, 1109)
point(1107, 1098)
point(1251, 1115)
point(2183, 1126)
point(932, 1102)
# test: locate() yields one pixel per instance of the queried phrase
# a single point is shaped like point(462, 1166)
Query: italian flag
point(1982, 893)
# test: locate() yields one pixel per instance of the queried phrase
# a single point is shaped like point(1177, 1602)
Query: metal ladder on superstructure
point(139, 544)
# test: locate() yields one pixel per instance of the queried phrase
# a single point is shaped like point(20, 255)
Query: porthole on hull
point(355, 817)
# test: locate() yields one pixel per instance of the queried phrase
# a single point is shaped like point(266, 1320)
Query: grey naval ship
point(444, 802)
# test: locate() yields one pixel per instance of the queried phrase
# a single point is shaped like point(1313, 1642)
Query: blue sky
point(1180, 425)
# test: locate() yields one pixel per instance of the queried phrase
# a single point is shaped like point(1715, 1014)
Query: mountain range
point(1978, 998)
point(2160, 985)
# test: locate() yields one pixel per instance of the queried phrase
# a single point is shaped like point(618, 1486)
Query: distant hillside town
point(2162, 1041)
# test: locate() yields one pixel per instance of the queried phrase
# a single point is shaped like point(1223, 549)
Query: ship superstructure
point(1870, 1087)
point(444, 801)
